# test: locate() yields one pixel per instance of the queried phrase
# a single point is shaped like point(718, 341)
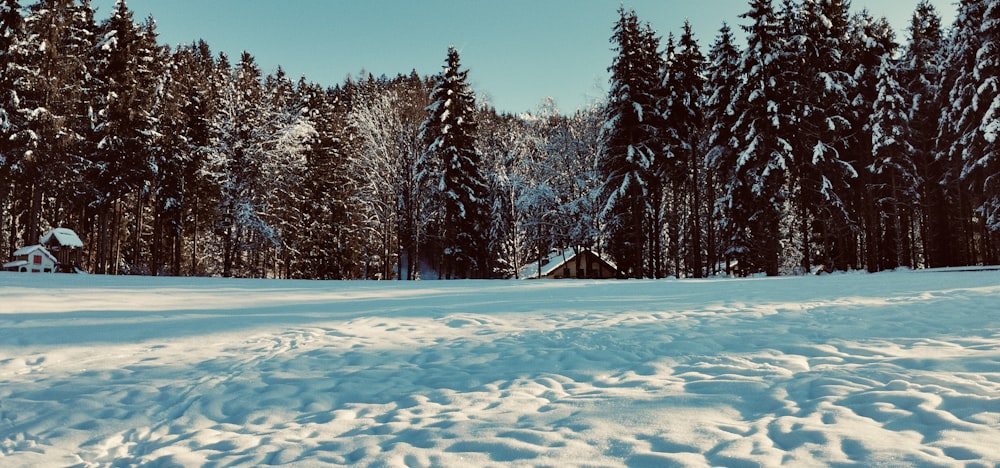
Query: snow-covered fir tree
point(629, 145)
point(127, 75)
point(179, 196)
point(12, 41)
point(959, 181)
point(451, 172)
point(257, 152)
point(823, 170)
point(720, 156)
point(681, 164)
point(52, 112)
point(757, 183)
point(893, 174)
point(887, 224)
point(329, 245)
point(920, 73)
point(985, 157)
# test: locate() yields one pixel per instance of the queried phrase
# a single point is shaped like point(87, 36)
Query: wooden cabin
point(66, 246)
point(585, 264)
point(34, 259)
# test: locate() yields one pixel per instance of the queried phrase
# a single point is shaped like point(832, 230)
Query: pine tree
point(877, 146)
point(628, 147)
point(822, 168)
point(450, 168)
point(287, 136)
point(894, 173)
point(758, 180)
point(982, 165)
point(12, 40)
point(681, 165)
point(201, 192)
point(950, 202)
point(720, 120)
point(236, 161)
point(51, 94)
point(121, 166)
point(920, 78)
point(182, 113)
point(257, 158)
point(329, 244)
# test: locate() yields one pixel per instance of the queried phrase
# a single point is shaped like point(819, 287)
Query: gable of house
point(34, 259)
point(567, 264)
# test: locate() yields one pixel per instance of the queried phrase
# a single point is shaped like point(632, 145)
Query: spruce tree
point(949, 201)
point(893, 174)
point(51, 88)
point(720, 159)
point(822, 168)
point(629, 146)
point(450, 169)
point(920, 73)
point(328, 240)
point(12, 42)
point(682, 165)
point(121, 170)
point(758, 181)
point(875, 131)
point(982, 164)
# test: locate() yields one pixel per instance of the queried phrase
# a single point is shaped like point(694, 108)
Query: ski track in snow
point(895, 369)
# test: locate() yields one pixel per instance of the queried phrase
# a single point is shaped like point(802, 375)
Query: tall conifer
point(450, 168)
point(629, 146)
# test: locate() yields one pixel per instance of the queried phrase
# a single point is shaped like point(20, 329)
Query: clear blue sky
point(517, 51)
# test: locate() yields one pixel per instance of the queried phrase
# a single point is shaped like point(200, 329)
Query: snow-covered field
point(893, 369)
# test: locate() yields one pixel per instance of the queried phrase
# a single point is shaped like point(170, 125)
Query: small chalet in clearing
point(585, 264)
point(58, 250)
point(34, 259)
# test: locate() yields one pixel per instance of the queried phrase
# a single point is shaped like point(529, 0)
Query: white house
point(34, 259)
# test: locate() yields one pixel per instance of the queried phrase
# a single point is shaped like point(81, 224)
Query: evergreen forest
point(821, 140)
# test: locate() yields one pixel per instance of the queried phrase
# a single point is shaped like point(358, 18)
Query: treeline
point(821, 142)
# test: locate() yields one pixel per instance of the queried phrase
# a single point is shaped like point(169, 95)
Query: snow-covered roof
point(27, 250)
point(63, 236)
point(549, 264)
point(554, 261)
point(15, 264)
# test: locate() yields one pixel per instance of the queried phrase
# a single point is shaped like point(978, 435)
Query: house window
point(37, 259)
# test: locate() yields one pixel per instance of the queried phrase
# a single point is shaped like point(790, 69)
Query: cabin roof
point(15, 264)
point(63, 236)
point(557, 260)
point(27, 250)
point(31, 248)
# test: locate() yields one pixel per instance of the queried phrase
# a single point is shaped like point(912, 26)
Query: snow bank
point(887, 369)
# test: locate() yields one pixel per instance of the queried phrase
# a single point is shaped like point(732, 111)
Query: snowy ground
point(893, 369)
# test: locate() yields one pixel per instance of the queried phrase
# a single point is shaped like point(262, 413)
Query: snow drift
point(886, 369)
